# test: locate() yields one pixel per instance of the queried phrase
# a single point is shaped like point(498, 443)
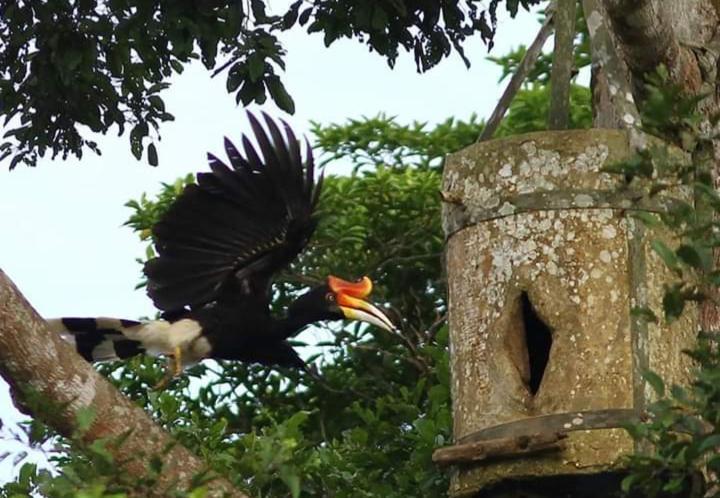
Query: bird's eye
point(330, 297)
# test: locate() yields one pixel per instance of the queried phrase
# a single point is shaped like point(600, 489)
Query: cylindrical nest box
point(545, 264)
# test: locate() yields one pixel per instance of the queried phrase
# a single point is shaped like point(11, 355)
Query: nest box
point(545, 264)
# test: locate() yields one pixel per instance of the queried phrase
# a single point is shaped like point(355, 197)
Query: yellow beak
point(357, 309)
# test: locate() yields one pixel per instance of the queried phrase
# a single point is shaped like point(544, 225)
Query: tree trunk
point(682, 35)
point(47, 377)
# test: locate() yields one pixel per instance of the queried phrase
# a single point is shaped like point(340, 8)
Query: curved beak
point(357, 309)
point(349, 299)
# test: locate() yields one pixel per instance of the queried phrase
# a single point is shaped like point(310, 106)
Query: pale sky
point(63, 243)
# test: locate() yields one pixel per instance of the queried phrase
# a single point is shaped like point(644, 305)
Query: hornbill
point(218, 247)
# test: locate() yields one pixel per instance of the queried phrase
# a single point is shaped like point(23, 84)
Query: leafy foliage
point(530, 109)
point(70, 65)
point(429, 29)
point(682, 433)
point(381, 141)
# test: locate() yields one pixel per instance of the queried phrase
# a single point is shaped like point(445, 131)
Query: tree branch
point(562, 66)
point(39, 364)
point(645, 31)
point(617, 106)
point(528, 62)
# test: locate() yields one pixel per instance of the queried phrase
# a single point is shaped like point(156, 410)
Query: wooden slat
point(497, 448)
point(556, 423)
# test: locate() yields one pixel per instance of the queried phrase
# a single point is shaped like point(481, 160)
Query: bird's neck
point(291, 324)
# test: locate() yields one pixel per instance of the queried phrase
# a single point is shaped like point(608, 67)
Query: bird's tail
point(100, 339)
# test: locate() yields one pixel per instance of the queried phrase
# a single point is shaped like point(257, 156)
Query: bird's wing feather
point(238, 225)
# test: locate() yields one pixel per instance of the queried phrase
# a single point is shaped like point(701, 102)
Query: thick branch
point(33, 360)
point(613, 103)
point(562, 65)
point(644, 28)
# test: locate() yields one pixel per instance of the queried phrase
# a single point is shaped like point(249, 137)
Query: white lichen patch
point(506, 209)
point(605, 256)
point(82, 391)
point(583, 200)
point(609, 232)
point(594, 21)
point(529, 168)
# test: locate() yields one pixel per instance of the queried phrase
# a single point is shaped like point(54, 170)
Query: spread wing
point(224, 237)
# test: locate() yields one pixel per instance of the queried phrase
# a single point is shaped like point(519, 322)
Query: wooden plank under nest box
point(545, 262)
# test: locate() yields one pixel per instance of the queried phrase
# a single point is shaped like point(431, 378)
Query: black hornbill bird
point(218, 246)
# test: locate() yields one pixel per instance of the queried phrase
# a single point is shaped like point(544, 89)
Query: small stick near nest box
point(451, 197)
point(497, 448)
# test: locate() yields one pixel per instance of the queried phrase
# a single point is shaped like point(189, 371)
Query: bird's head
point(339, 299)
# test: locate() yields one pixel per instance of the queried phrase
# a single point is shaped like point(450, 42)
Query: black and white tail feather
point(106, 339)
point(100, 339)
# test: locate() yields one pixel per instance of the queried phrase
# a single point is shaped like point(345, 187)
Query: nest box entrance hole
point(530, 341)
point(538, 340)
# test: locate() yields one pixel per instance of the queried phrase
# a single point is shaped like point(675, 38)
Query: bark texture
point(682, 35)
point(32, 360)
point(653, 32)
point(562, 65)
point(613, 103)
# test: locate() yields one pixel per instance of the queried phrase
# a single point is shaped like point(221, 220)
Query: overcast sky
point(62, 240)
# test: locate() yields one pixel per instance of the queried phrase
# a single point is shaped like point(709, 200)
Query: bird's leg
point(172, 370)
point(177, 361)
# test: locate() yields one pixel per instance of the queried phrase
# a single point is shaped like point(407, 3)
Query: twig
point(413, 361)
point(526, 65)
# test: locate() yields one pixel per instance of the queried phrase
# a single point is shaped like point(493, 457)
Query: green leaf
point(157, 102)
point(655, 382)
point(278, 93)
point(690, 256)
point(177, 66)
point(709, 442)
point(198, 493)
point(673, 303)
point(256, 67)
point(84, 418)
point(665, 253)
point(152, 155)
point(648, 219)
point(27, 472)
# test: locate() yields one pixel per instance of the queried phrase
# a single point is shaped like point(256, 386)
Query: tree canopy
point(74, 68)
